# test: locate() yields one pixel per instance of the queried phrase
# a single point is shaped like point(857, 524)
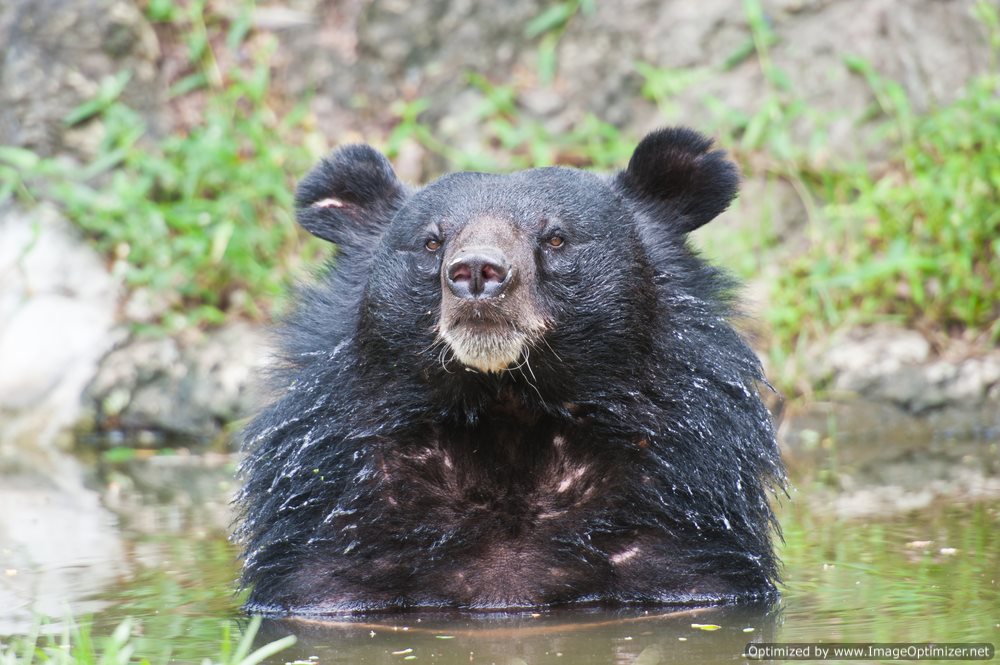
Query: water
point(922, 565)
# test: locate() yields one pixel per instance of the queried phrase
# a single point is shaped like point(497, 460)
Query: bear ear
point(353, 191)
point(676, 177)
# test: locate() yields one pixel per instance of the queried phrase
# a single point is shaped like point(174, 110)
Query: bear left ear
point(675, 175)
point(350, 196)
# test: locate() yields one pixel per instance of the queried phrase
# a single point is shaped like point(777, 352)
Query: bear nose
point(479, 273)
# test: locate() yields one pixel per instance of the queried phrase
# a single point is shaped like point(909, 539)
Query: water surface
point(918, 566)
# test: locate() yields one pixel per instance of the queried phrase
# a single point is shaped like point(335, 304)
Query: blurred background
point(149, 150)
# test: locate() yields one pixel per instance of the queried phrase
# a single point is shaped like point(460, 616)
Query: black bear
point(510, 391)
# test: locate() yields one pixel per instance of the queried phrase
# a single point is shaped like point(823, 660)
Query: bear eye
point(432, 244)
point(556, 241)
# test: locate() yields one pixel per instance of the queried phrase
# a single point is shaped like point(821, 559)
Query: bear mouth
point(487, 345)
point(491, 335)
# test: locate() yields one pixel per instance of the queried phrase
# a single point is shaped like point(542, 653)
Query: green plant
point(918, 240)
point(76, 644)
point(510, 140)
point(204, 217)
point(913, 239)
point(549, 26)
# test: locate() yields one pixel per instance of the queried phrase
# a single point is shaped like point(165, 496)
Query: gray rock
point(909, 387)
point(859, 359)
point(895, 366)
point(975, 380)
point(961, 385)
point(226, 366)
point(191, 388)
point(144, 305)
point(56, 53)
point(365, 56)
point(134, 384)
point(58, 308)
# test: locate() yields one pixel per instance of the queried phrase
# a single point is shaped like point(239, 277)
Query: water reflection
point(149, 542)
point(930, 575)
point(58, 544)
point(648, 637)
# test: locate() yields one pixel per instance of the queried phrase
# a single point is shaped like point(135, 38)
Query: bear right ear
point(353, 191)
point(678, 179)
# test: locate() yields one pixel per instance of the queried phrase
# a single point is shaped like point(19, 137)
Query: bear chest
point(502, 481)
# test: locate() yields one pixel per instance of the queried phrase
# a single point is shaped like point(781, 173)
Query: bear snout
point(489, 312)
point(479, 273)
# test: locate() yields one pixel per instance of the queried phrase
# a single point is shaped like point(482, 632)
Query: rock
point(895, 366)
point(131, 389)
point(975, 380)
point(224, 370)
point(908, 387)
point(366, 56)
point(58, 308)
point(144, 305)
point(57, 53)
point(193, 388)
point(858, 359)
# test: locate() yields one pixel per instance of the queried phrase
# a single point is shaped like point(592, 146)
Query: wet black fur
point(386, 475)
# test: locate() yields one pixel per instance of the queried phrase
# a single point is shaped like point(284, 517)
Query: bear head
point(477, 271)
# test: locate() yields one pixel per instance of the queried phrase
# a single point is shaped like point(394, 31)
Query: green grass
point(548, 28)
point(76, 644)
point(915, 240)
point(203, 216)
point(912, 239)
point(510, 140)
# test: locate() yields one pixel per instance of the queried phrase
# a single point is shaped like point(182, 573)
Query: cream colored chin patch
point(487, 352)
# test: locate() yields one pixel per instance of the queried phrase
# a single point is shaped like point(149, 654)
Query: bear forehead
point(523, 196)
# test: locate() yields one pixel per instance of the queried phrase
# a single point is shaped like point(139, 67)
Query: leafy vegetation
point(204, 216)
point(510, 140)
point(75, 644)
point(916, 239)
point(548, 27)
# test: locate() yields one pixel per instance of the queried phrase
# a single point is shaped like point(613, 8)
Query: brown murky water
point(887, 538)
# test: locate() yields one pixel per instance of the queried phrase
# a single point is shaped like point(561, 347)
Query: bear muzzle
point(488, 311)
point(484, 332)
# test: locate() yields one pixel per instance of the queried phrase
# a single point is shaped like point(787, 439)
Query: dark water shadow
point(578, 636)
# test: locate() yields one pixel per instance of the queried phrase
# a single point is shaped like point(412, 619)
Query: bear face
point(497, 265)
point(512, 390)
